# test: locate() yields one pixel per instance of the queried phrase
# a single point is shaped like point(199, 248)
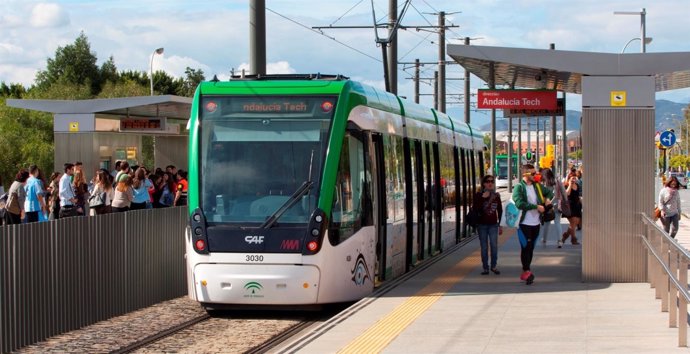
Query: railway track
point(160, 335)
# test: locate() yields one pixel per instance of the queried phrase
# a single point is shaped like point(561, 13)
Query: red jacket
point(491, 208)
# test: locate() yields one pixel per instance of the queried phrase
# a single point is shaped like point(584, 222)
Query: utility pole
point(552, 46)
point(257, 37)
point(416, 81)
point(436, 90)
point(467, 97)
point(392, 46)
point(442, 62)
point(492, 85)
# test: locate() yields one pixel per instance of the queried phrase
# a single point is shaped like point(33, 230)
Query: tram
point(314, 189)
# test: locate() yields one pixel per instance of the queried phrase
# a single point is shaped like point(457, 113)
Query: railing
point(668, 275)
point(61, 275)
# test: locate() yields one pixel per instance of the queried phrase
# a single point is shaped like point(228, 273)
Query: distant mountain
point(667, 115)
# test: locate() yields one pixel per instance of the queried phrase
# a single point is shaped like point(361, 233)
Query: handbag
point(657, 213)
point(12, 205)
point(473, 217)
point(549, 214)
point(97, 200)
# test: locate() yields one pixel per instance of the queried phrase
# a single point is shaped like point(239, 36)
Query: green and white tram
point(315, 189)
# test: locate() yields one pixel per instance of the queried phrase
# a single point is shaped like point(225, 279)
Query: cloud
point(280, 67)
point(48, 15)
point(176, 65)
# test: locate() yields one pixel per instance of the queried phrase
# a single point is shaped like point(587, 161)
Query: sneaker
point(560, 243)
point(525, 275)
point(530, 279)
point(496, 271)
point(485, 272)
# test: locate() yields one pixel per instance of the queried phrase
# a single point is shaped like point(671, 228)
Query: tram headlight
point(318, 218)
point(315, 232)
point(197, 231)
point(312, 246)
point(200, 245)
point(197, 217)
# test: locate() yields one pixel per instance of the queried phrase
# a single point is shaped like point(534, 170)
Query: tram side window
point(352, 191)
point(448, 188)
point(395, 177)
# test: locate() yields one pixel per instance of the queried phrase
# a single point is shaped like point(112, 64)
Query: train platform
point(449, 307)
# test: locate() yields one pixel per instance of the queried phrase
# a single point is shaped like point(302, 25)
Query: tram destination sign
point(143, 124)
point(515, 113)
point(516, 99)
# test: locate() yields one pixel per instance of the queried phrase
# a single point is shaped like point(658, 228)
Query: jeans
point(531, 234)
point(488, 235)
point(667, 221)
point(544, 232)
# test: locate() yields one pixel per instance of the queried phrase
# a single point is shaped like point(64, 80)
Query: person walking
point(488, 203)
point(669, 204)
point(575, 202)
point(531, 199)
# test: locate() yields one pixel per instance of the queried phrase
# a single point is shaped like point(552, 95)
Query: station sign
point(517, 99)
point(157, 124)
point(515, 113)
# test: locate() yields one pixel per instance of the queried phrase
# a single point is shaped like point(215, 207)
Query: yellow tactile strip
point(380, 334)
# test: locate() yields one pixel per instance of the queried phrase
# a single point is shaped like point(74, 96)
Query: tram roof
point(174, 107)
point(563, 70)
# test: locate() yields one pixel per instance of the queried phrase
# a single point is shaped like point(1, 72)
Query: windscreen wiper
point(303, 189)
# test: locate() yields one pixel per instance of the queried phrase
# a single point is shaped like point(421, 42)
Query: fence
point(667, 272)
point(61, 275)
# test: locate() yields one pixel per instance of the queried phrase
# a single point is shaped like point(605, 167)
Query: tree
point(165, 84)
point(12, 91)
point(73, 63)
point(108, 71)
point(191, 81)
point(123, 88)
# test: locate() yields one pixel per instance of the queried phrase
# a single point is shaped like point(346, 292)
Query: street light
point(643, 28)
point(157, 51)
point(647, 40)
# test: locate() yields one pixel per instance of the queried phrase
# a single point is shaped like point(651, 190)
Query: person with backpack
point(532, 200)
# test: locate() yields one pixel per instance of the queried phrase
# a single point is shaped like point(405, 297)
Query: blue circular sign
point(667, 138)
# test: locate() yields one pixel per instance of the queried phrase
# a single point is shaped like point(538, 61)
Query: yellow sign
point(618, 98)
point(74, 126)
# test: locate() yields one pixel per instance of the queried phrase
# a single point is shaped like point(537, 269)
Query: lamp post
point(157, 51)
point(643, 29)
point(647, 40)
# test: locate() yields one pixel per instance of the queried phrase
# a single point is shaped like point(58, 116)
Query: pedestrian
point(575, 202)
point(102, 185)
point(123, 194)
point(81, 191)
point(181, 194)
point(34, 202)
point(114, 172)
point(531, 199)
point(559, 201)
point(141, 185)
point(669, 204)
point(53, 196)
point(488, 203)
point(168, 190)
point(68, 198)
point(124, 169)
point(14, 209)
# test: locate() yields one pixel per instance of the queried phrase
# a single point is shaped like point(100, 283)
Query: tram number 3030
point(254, 258)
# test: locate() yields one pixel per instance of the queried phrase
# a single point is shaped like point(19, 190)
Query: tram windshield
point(256, 153)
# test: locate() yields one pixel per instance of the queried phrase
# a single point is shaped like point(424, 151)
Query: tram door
point(381, 212)
point(419, 172)
point(465, 193)
point(429, 199)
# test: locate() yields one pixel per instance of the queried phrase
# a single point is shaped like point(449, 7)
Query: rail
point(670, 268)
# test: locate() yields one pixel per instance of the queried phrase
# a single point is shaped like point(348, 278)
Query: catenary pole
point(257, 37)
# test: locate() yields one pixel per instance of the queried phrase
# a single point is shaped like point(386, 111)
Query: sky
point(213, 35)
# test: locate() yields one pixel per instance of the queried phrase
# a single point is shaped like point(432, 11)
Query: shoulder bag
point(549, 214)
point(97, 199)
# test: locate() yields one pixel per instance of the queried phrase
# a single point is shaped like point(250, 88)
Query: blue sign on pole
point(667, 138)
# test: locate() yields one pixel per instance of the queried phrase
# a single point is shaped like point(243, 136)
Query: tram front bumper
point(256, 284)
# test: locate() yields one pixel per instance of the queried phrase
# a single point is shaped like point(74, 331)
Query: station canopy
point(563, 70)
point(170, 106)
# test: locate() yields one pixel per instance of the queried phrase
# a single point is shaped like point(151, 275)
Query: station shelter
point(99, 132)
point(618, 103)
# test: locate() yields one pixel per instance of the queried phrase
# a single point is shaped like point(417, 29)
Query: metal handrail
point(683, 289)
point(673, 263)
point(671, 240)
